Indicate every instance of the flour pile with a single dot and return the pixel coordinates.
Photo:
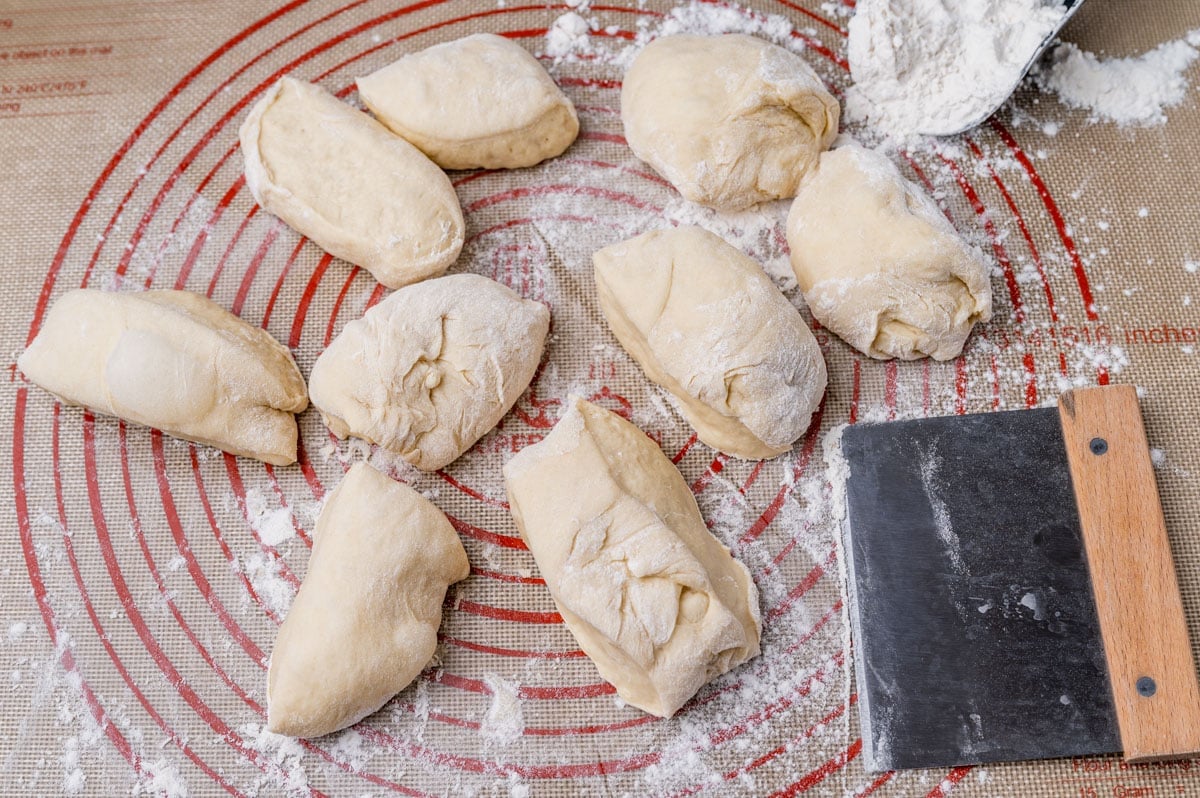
(1128, 91)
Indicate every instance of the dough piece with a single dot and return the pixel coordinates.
(360, 193)
(173, 360)
(364, 622)
(730, 121)
(707, 324)
(657, 602)
(506, 111)
(878, 262)
(429, 370)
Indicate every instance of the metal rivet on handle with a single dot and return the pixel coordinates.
(1098, 446)
(1146, 687)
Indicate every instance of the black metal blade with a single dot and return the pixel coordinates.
(975, 631)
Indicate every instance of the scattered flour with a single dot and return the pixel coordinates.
(272, 589)
(569, 37)
(934, 67)
(273, 525)
(518, 788)
(1128, 91)
(1031, 602)
(350, 747)
(504, 722)
(74, 778)
(717, 18)
(161, 780)
(931, 464)
(285, 753)
(810, 514)
(276, 527)
(837, 475)
(154, 249)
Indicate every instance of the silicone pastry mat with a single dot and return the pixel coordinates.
(143, 578)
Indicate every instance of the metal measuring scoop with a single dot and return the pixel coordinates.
(1071, 6)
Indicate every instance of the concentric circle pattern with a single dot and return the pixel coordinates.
(174, 564)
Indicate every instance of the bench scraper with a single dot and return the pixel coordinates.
(1012, 589)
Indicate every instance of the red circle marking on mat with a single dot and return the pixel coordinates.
(225, 732)
(244, 288)
(18, 475)
(41, 595)
(253, 266)
(967, 188)
(1020, 220)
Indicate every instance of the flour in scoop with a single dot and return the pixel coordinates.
(934, 66)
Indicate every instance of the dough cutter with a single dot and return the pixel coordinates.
(1012, 590)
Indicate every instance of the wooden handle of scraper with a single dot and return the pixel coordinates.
(1141, 615)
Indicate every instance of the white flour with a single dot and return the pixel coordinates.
(786, 688)
(273, 524)
(934, 66)
(569, 37)
(75, 778)
(504, 722)
(272, 589)
(1128, 91)
(161, 779)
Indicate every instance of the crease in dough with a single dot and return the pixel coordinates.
(175, 361)
(340, 178)
(432, 368)
(654, 599)
(364, 623)
(878, 262)
(706, 323)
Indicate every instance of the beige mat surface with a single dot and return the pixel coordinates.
(142, 579)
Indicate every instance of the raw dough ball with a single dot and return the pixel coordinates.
(364, 622)
(482, 101)
(429, 370)
(359, 192)
(657, 602)
(175, 361)
(878, 262)
(730, 120)
(707, 324)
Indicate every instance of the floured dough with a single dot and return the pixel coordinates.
(364, 622)
(655, 600)
(432, 368)
(730, 121)
(706, 323)
(878, 262)
(482, 101)
(358, 191)
(175, 361)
